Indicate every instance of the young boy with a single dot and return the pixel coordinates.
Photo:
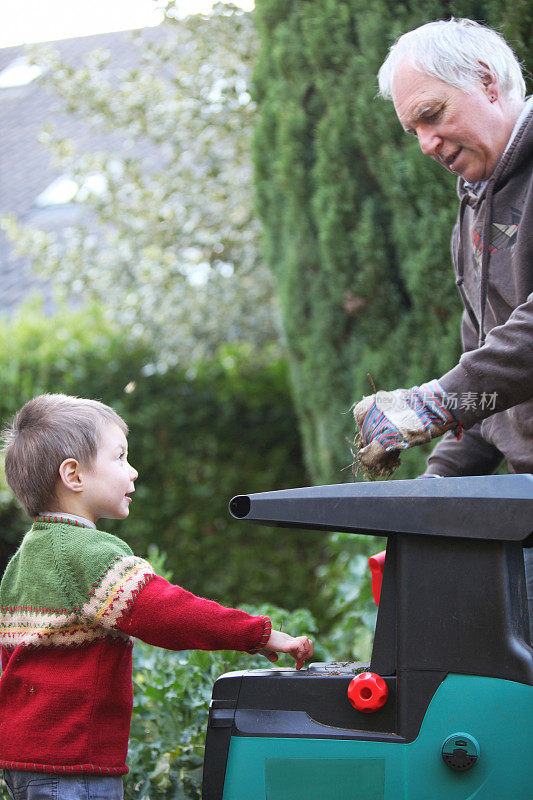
(73, 596)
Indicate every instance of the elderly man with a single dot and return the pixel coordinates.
(458, 88)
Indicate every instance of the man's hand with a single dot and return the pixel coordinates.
(393, 421)
(299, 647)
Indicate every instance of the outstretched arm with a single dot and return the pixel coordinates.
(169, 616)
(487, 379)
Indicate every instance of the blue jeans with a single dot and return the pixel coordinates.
(41, 786)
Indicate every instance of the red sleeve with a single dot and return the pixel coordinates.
(168, 616)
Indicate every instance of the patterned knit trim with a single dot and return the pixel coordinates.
(112, 597)
(53, 769)
(36, 610)
(267, 630)
(75, 637)
(62, 520)
(109, 599)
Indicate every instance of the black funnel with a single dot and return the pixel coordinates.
(495, 507)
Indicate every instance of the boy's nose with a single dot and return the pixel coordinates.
(133, 473)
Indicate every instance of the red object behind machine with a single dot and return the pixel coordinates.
(377, 564)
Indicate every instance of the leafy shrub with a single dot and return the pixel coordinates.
(349, 609)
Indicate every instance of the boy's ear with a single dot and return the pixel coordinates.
(70, 475)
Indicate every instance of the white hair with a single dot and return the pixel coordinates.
(456, 51)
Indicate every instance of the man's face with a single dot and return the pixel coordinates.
(466, 133)
(108, 484)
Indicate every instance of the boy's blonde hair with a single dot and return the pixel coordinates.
(46, 431)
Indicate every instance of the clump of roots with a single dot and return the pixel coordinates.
(371, 463)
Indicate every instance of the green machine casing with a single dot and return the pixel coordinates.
(451, 643)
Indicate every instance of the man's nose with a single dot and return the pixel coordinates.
(429, 141)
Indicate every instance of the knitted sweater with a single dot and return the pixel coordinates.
(70, 600)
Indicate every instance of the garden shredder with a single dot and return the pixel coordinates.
(444, 709)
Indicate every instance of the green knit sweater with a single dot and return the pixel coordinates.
(68, 584)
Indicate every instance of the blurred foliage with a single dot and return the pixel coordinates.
(346, 592)
(197, 438)
(353, 212)
(166, 230)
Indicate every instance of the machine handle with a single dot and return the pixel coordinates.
(377, 565)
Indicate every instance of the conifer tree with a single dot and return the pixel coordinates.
(356, 222)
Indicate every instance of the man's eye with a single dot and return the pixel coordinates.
(434, 117)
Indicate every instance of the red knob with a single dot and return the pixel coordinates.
(368, 692)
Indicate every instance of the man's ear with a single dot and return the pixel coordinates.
(70, 475)
(489, 81)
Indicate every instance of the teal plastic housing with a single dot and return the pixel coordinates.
(497, 713)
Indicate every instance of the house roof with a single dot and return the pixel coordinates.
(26, 166)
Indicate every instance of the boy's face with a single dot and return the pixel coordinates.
(108, 484)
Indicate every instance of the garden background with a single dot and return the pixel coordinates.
(231, 298)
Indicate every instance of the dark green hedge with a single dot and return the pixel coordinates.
(196, 439)
(357, 222)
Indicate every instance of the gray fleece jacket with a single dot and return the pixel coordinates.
(492, 386)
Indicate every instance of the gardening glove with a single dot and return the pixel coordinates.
(393, 421)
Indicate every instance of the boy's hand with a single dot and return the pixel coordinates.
(299, 647)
